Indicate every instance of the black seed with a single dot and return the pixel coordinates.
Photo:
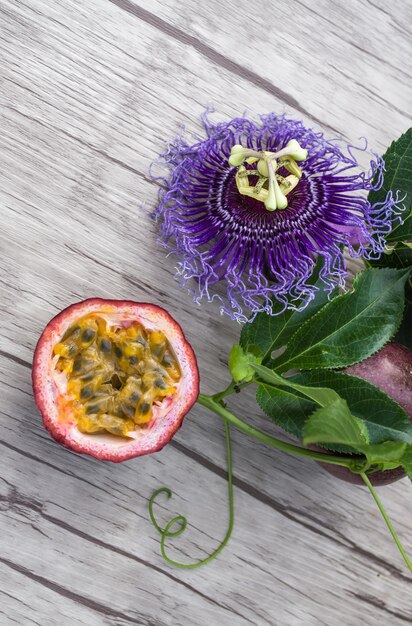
(106, 346)
(161, 371)
(160, 383)
(73, 349)
(133, 360)
(88, 335)
(86, 378)
(118, 352)
(116, 382)
(117, 411)
(134, 397)
(86, 392)
(77, 365)
(69, 332)
(144, 407)
(167, 360)
(128, 410)
(93, 408)
(157, 350)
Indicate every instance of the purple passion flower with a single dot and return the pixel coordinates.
(248, 223)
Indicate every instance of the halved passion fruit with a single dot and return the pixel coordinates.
(113, 378)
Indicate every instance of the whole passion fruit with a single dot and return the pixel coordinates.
(114, 378)
(390, 369)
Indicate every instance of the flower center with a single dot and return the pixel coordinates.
(270, 187)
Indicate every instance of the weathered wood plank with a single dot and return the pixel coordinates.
(85, 525)
(327, 526)
(326, 62)
(90, 93)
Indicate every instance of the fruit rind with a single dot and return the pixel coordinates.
(104, 447)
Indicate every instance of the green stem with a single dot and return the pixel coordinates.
(387, 520)
(210, 403)
(167, 532)
(231, 388)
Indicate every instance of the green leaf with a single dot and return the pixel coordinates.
(386, 452)
(404, 334)
(285, 407)
(269, 332)
(400, 257)
(383, 417)
(398, 177)
(335, 424)
(350, 327)
(321, 395)
(240, 364)
(406, 461)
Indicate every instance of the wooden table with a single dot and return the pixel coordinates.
(90, 91)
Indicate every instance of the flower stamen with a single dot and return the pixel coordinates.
(232, 249)
(271, 188)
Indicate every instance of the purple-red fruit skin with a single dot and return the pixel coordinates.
(390, 369)
(378, 479)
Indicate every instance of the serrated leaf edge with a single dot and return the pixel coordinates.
(355, 280)
(362, 427)
(289, 432)
(341, 374)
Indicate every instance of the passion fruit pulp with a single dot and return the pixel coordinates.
(114, 379)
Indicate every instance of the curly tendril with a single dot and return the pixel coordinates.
(166, 532)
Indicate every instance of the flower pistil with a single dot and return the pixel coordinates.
(271, 187)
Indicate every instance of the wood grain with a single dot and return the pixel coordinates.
(89, 92)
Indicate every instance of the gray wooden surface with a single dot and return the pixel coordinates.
(89, 92)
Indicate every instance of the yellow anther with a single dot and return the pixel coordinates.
(288, 184)
(295, 151)
(271, 188)
(236, 159)
(242, 179)
(291, 165)
(252, 192)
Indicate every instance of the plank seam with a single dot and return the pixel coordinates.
(264, 499)
(75, 597)
(216, 57)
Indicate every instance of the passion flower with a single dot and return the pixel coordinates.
(114, 379)
(254, 205)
